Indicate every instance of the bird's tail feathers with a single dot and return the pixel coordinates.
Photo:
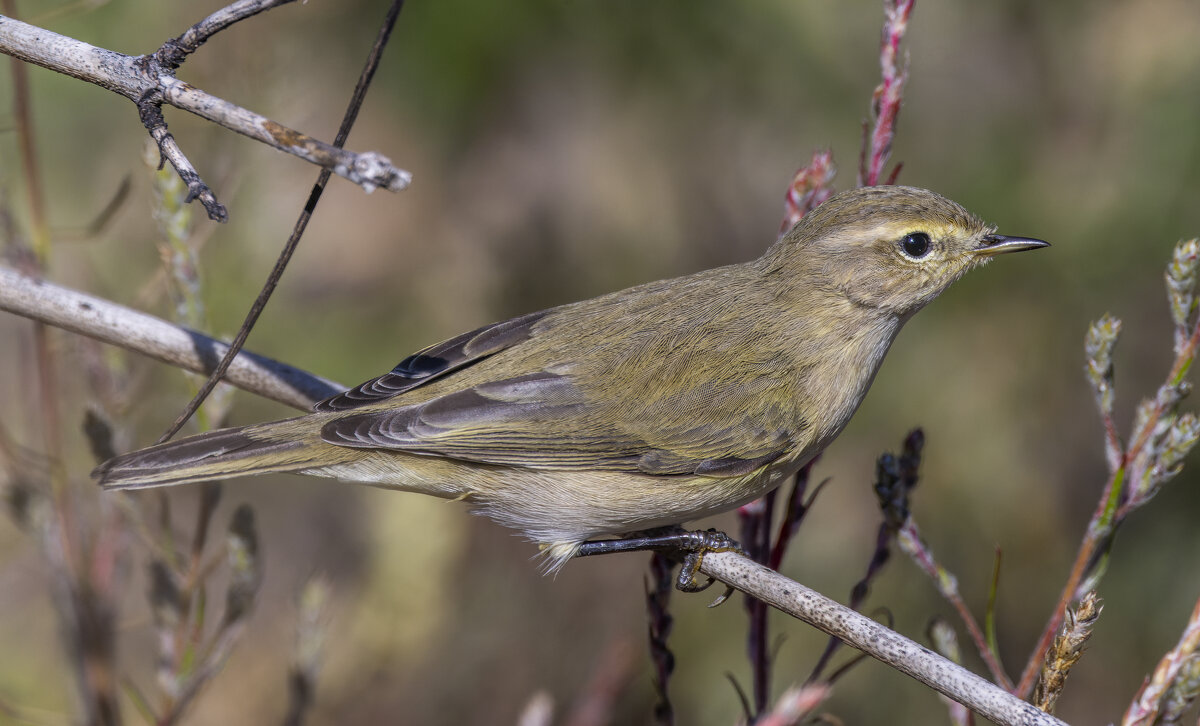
(204, 457)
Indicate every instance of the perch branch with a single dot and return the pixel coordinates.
(874, 639)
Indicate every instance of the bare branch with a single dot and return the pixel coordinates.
(874, 639)
(368, 170)
(116, 324)
(149, 80)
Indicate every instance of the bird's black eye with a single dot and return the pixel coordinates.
(916, 244)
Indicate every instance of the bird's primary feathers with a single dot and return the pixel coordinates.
(654, 405)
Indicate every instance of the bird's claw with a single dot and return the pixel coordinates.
(673, 541)
(700, 543)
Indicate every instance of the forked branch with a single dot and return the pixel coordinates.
(149, 81)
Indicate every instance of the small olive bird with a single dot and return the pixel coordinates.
(639, 409)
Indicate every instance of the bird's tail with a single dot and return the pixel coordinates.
(213, 455)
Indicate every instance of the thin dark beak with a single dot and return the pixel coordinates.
(998, 244)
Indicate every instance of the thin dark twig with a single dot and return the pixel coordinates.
(741, 694)
(796, 507)
(101, 220)
(356, 100)
(845, 668)
(658, 598)
(755, 519)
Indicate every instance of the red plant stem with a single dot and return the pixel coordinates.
(888, 94)
(809, 188)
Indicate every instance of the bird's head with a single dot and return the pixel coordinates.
(891, 248)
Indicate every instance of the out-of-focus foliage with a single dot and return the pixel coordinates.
(565, 149)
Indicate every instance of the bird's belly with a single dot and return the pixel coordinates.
(564, 506)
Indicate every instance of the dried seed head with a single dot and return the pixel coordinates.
(1066, 650)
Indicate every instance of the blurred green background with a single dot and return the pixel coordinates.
(565, 149)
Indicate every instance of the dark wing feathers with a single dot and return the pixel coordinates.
(434, 362)
(467, 418)
(489, 409)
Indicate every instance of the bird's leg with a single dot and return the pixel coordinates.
(687, 546)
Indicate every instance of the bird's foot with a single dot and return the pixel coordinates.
(687, 546)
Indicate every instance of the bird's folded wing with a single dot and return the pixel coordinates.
(434, 362)
(544, 420)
